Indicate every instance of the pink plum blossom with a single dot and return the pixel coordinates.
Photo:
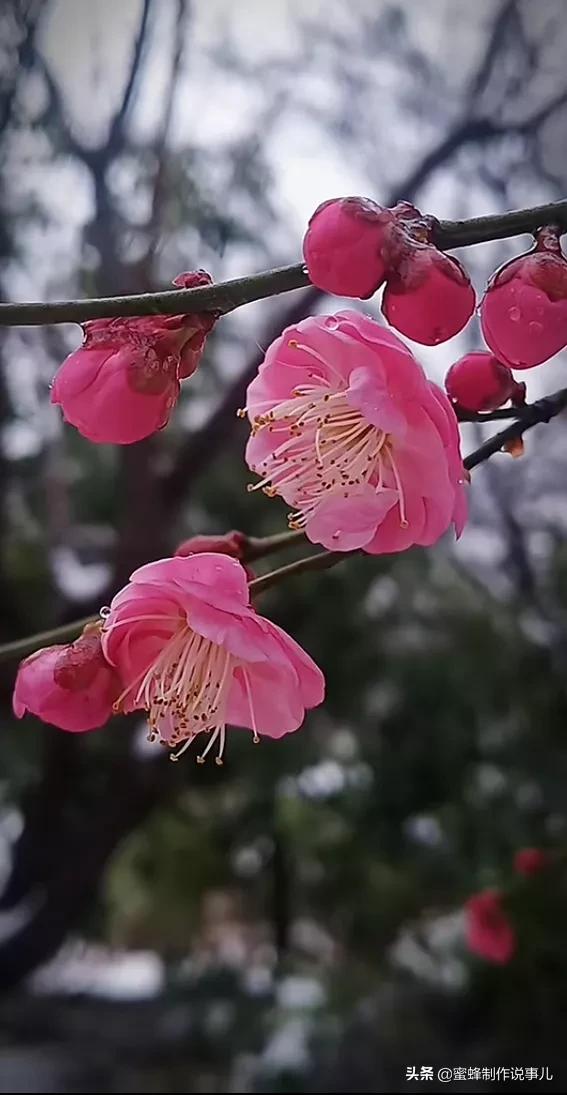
(489, 932)
(72, 687)
(524, 310)
(123, 382)
(194, 654)
(347, 428)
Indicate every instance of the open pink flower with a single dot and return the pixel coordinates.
(349, 430)
(195, 655)
(72, 687)
(123, 382)
(488, 930)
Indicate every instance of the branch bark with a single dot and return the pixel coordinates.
(543, 410)
(228, 295)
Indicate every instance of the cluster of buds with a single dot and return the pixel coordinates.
(352, 246)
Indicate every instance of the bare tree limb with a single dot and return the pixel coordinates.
(226, 296)
(117, 125)
(543, 410)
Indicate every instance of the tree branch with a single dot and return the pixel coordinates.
(117, 126)
(226, 296)
(543, 410)
(255, 547)
(321, 560)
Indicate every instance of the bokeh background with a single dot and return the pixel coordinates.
(292, 921)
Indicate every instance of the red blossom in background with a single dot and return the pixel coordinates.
(524, 309)
(530, 861)
(479, 382)
(489, 933)
(122, 384)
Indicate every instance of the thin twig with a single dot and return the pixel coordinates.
(258, 547)
(543, 410)
(228, 295)
(65, 633)
(322, 560)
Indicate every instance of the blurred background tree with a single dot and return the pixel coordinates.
(290, 922)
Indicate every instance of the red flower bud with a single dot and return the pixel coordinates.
(524, 310)
(479, 382)
(72, 687)
(428, 296)
(231, 543)
(344, 246)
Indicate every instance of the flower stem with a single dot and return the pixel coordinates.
(65, 633)
(322, 560)
(258, 547)
(543, 410)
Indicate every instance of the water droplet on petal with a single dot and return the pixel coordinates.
(535, 328)
(514, 314)
(332, 323)
(104, 612)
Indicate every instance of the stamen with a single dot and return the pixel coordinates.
(184, 690)
(219, 731)
(316, 356)
(327, 447)
(184, 747)
(248, 688)
(401, 499)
